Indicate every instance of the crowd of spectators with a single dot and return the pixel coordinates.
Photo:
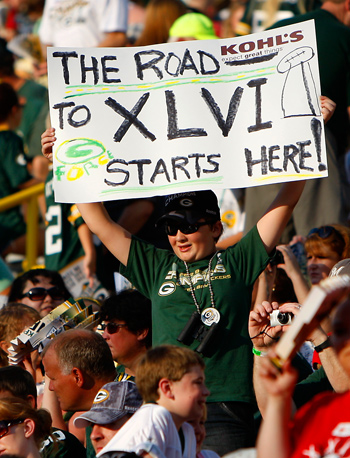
(156, 378)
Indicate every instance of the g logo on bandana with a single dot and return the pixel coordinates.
(186, 202)
(167, 288)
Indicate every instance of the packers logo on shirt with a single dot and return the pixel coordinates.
(167, 288)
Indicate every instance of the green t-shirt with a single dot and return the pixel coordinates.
(34, 115)
(13, 172)
(161, 276)
(315, 383)
(64, 445)
(62, 243)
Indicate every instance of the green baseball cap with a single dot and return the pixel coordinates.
(194, 25)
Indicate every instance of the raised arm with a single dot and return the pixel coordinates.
(274, 440)
(113, 236)
(273, 222)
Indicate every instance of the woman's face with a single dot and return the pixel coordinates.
(14, 440)
(47, 303)
(320, 263)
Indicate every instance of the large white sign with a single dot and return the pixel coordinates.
(230, 113)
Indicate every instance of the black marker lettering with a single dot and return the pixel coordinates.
(109, 169)
(84, 121)
(225, 126)
(106, 70)
(272, 157)
(60, 107)
(250, 162)
(65, 56)
(93, 69)
(140, 163)
(140, 67)
(167, 64)
(304, 154)
(259, 125)
(130, 118)
(173, 130)
(196, 163)
(160, 169)
(179, 162)
(316, 129)
(202, 54)
(290, 157)
(188, 63)
(213, 163)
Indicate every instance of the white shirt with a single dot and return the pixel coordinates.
(81, 23)
(152, 430)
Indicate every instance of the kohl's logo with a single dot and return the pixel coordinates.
(269, 42)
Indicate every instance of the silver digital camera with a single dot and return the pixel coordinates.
(278, 318)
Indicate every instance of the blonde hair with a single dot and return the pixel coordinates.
(270, 7)
(14, 318)
(337, 241)
(165, 361)
(18, 409)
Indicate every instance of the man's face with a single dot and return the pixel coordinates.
(102, 434)
(62, 384)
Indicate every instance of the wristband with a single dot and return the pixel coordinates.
(258, 352)
(322, 346)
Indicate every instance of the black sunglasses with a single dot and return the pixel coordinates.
(324, 231)
(39, 294)
(5, 425)
(112, 328)
(171, 227)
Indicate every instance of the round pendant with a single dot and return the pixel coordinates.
(210, 316)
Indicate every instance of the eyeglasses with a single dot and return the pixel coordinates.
(111, 327)
(171, 228)
(5, 425)
(324, 231)
(39, 294)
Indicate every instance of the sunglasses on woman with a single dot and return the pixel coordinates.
(5, 425)
(324, 231)
(112, 328)
(172, 227)
(39, 294)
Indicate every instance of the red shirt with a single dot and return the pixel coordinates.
(322, 427)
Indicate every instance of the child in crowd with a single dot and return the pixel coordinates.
(320, 427)
(198, 425)
(170, 380)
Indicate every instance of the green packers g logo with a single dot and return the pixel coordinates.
(167, 288)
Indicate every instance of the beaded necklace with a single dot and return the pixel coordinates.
(209, 284)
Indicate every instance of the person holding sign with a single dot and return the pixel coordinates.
(201, 297)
